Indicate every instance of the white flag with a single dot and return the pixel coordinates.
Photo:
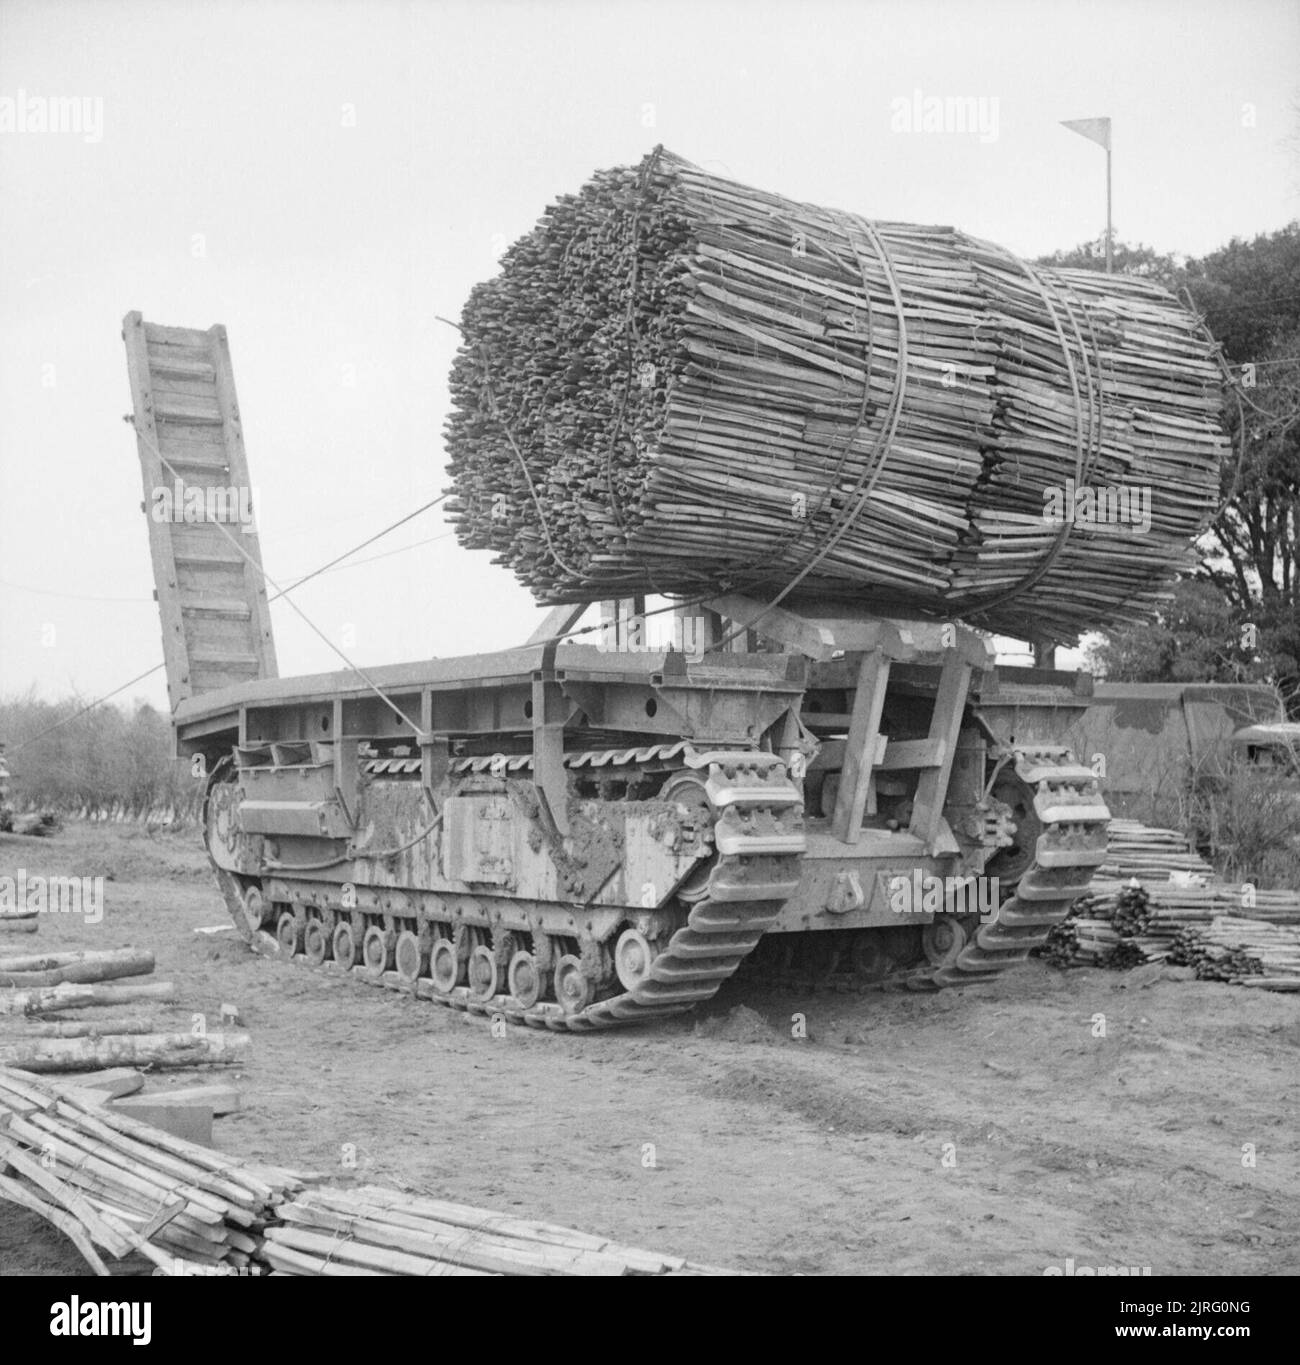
(1094, 129)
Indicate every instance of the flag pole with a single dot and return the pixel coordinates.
(1098, 130)
(1110, 235)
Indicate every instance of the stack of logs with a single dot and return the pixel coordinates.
(1149, 854)
(118, 1186)
(679, 382)
(18, 920)
(36, 990)
(1155, 900)
(1244, 952)
(122, 1190)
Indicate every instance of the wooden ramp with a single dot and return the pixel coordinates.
(198, 500)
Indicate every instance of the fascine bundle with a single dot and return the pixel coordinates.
(679, 384)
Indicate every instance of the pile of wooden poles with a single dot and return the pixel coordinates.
(1150, 853)
(37, 986)
(123, 1190)
(1155, 900)
(678, 382)
(119, 1187)
(1081, 942)
(1242, 951)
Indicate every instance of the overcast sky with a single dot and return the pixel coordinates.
(328, 178)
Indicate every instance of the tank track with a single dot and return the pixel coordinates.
(1073, 820)
(755, 871)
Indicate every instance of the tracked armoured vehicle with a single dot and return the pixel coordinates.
(575, 836)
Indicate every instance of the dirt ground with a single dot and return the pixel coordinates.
(985, 1131)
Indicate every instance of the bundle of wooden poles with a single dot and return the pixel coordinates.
(376, 1231)
(1147, 852)
(1155, 899)
(124, 1192)
(38, 988)
(1244, 952)
(123, 1188)
(678, 383)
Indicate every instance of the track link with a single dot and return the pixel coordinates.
(1072, 845)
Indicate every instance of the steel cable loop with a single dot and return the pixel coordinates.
(736, 575)
(893, 412)
(378, 855)
(1082, 460)
(865, 408)
(1097, 391)
(843, 223)
(1137, 592)
(876, 461)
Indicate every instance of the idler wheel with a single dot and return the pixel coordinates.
(287, 935)
(256, 910)
(482, 973)
(633, 957)
(445, 965)
(525, 980)
(316, 942)
(345, 947)
(574, 989)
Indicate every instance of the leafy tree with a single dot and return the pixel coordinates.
(1140, 260)
(106, 759)
(1197, 638)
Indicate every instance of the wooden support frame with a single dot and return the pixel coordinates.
(945, 727)
(861, 751)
